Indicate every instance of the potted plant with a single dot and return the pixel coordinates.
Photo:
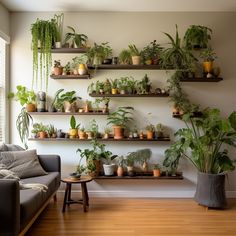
(151, 53)
(203, 142)
(142, 156)
(82, 133)
(125, 57)
(175, 56)
(123, 85)
(159, 130)
(43, 37)
(57, 69)
(144, 86)
(52, 131)
(93, 130)
(65, 100)
(156, 170)
(98, 53)
(107, 132)
(114, 86)
(129, 162)
(150, 131)
(79, 66)
(197, 37)
(208, 56)
(120, 119)
(135, 54)
(59, 19)
(26, 97)
(93, 156)
(40, 129)
(24, 119)
(67, 69)
(73, 132)
(77, 40)
(109, 166)
(120, 168)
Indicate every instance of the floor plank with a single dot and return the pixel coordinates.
(135, 217)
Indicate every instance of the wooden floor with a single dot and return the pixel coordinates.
(134, 217)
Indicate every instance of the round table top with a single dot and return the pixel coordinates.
(82, 179)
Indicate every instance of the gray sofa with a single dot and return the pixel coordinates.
(20, 208)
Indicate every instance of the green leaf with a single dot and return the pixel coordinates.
(232, 119)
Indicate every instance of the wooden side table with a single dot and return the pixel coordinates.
(85, 198)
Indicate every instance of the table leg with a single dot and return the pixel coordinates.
(65, 198)
(84, 197)
(86, 193)
(69, 194)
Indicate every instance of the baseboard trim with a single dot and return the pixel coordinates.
(147, 194)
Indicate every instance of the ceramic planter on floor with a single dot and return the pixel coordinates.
(210, 190)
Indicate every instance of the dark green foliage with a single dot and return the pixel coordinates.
(197, 36)
(202, 142)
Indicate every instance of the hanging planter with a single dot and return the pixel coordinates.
(43, 37)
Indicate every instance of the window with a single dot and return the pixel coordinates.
(2, 90)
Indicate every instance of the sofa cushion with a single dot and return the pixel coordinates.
(32, 200)
(10, 147)
(22, 163)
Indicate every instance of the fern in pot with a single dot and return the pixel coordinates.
(204, 143)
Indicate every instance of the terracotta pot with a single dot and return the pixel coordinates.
(90, 135)
(136, 60)
(156, 173)
(42, 134)
(58, 70)
(118, 132)
(82, 135)
(149, 134)
(120, 171)
(30, 107)
(208, 66)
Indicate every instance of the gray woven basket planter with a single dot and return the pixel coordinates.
(210, 190)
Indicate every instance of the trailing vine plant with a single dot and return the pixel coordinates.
(177, 95)
(43, 37)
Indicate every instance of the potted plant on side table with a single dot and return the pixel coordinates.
(201, 142)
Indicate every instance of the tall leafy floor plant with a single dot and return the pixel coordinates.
(204, 143)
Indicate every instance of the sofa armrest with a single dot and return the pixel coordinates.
(9, 207)
(50, 163)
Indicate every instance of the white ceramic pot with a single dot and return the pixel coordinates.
(109, 170)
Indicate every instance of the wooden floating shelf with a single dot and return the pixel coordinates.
(150, 176)
(59, 77)
(69, 50)
(67, 113)
(125, 67)
(201, 79)
(130, 95)
(104, 140)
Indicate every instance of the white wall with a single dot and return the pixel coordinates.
(121, 29)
